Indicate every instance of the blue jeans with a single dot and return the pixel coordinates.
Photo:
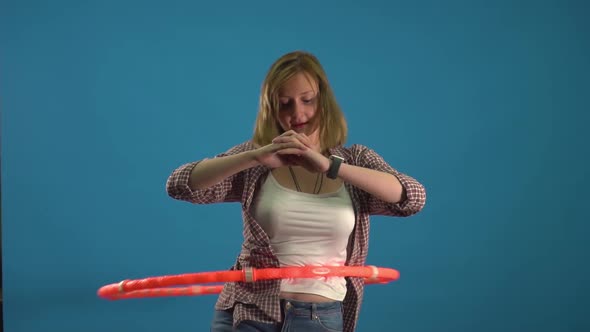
(297, 316)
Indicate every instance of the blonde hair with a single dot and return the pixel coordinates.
(332, 128)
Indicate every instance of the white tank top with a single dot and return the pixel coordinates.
(307, 229)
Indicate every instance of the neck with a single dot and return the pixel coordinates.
(315, 140)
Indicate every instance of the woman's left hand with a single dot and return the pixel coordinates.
(310, 158)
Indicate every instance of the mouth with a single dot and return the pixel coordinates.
(297, 126)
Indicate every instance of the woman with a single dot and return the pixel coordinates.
(306, 200)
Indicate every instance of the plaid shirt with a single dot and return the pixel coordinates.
(260, 301)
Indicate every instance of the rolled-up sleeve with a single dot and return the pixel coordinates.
(415, 193)
(228, 190)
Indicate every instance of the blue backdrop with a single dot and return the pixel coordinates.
(485, 102)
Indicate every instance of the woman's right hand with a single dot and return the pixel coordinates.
(268, 155)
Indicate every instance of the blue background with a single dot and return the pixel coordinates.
(485, 102)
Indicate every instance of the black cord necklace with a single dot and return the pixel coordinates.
(316, 189)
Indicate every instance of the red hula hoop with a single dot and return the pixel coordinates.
(163, 285)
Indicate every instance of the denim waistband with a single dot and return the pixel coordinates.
(312, 305)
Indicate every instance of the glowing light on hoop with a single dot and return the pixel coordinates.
(165, 285)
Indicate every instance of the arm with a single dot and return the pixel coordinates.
(388, 192)
(383, 186)
(212, 171)
(219, 179)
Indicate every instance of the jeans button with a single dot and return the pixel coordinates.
(288, 305)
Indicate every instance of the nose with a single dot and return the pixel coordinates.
(297, 108)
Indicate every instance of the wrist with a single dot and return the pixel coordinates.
(251, 158)
(335, 162)
(326, 165)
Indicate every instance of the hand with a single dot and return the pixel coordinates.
(269, 155)
(306, 154)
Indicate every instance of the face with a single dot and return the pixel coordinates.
(298, 106)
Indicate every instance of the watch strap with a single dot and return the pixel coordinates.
(335, 163)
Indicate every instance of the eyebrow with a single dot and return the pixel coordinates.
(301, 94)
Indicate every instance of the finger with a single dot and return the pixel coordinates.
(278, 146)
(290, 151)
(288, 133)
(304, 139)
(281, 139)
(289, 143)
(285, 136)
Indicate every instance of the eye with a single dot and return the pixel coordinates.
(308, 100)
(284, 104)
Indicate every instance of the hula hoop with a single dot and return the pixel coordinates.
(162, 285)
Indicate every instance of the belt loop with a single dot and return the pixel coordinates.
(314, 309)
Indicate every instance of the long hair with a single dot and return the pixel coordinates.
(332, 127)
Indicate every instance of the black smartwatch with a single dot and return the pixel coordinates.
(334, 166)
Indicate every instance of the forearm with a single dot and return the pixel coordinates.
(382, 185)
(212, 171)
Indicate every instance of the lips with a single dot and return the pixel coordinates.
(298, 125)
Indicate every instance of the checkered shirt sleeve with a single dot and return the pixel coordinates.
(228, 190)
(415, 194)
